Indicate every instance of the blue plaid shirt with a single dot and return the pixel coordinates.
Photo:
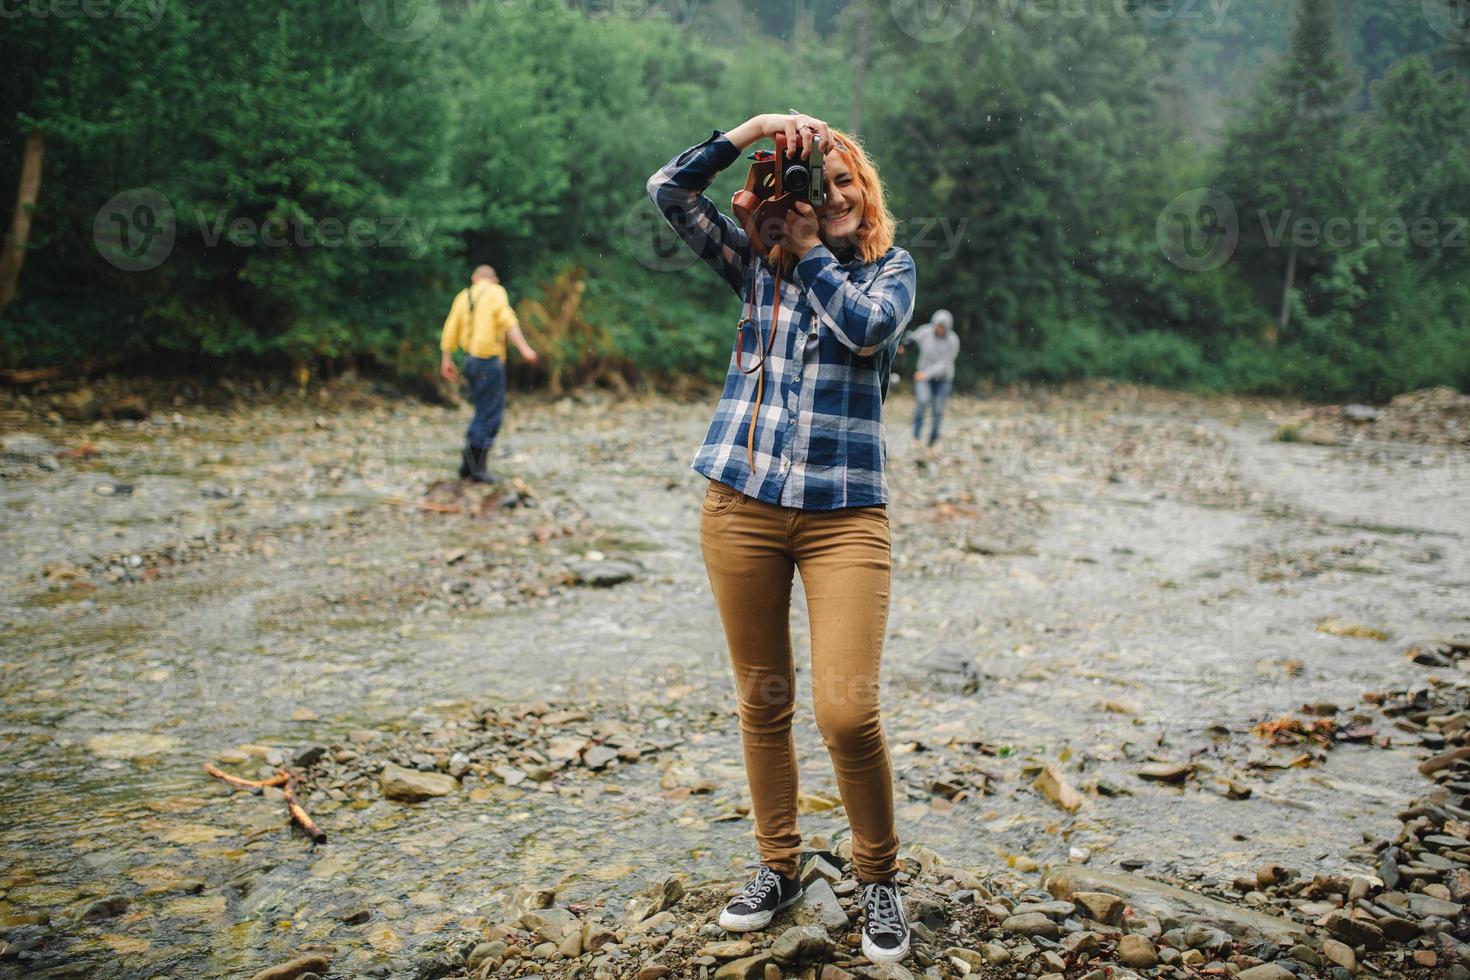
(819, 432)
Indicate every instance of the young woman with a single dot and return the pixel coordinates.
(795, 459)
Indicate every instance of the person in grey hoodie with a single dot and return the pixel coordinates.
(939, 345)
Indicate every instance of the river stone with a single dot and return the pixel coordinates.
(1266, 971)
(1397, 929)
(1388, 870)
(1057, 911)
(995, 954)
(1425, 905)
(969, 957)
(598, 756)
(1305, 954)
(1458, 882)
(1136, 951)
(1166, 902)
(603, 574)
(1340, 954)
(746, 968)
(1101, 907)
(595, 935)
(800, 944)
(550, 924)
(103, 908)
(732, 950)
(1440, 841)
(1032, 924)
(820, 906)
(411, 785)
(23, 447)
(667, 893)
(1354, 932)
(817, 866)
(1207, 938)
(294, 969)
(1166, 772)
(485, 951)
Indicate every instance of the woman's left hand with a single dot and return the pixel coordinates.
(801, 234)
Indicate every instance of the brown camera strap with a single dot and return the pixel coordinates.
(760, 365)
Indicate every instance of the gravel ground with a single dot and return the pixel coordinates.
(1089, 585)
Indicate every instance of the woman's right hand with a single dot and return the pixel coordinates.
(799, 129)
(796, 127)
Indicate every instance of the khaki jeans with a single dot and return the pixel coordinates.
(750, 550)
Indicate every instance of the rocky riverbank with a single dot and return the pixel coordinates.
(1130, 633)
(1407, 917)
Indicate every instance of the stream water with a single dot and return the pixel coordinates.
(1095, 582)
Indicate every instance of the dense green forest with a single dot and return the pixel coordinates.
(1248, 195)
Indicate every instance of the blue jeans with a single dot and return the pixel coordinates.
(486, 377)
(930, 394)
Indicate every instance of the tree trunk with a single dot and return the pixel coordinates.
(859, 69)
(1285, 317)
(14, 253)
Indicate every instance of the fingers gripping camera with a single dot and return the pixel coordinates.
(773, 185)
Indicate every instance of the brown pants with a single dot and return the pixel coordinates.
(750, 549)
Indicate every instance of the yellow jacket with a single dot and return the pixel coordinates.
(481, 332)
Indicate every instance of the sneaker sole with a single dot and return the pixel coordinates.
(877, 954)
(757, 920)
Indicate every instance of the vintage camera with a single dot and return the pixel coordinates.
(803, 177)
(773, 185)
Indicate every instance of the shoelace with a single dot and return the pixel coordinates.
(880, 903)
(756, 888)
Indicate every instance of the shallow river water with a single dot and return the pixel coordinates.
(1094, 581)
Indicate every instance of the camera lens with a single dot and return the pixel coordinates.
(795, 179)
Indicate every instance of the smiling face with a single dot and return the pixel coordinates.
(843, 212)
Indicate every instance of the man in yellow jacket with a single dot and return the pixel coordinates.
(479, 323)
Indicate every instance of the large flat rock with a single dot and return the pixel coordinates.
(1171, 903)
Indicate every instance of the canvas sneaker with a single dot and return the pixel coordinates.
(758, 902)
(885, 931)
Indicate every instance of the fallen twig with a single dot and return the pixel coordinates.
(239, 783)
(283, 778)
(428, 505)
(298, 813)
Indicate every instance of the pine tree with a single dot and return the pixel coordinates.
(1288, 163)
